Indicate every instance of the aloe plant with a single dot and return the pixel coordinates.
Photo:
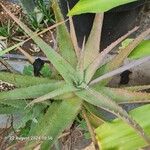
(80, 83)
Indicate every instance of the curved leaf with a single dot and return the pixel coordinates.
(4, 109)
(94, 6)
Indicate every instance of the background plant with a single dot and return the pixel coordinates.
(39, 12)
(7, 30)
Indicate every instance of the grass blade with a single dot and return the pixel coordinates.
(11, 48)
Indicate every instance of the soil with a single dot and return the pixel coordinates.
(14, 8)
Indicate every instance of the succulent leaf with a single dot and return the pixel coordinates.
(19, 80)
(59, 91)
(125, 96)
(30, 92)
(66, 48)
(92, 46)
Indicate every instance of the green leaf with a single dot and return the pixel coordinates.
(124, 95)
(63, 37)
(142, 50)
(58, 117)
(35, 16)
(125, 43)
(28, 70)
(29, 92)
(23, 80)
(29, 114)
(92, 44)
(96, 112)
(28, 6)
(59, 91)
(117, 135)
(18, 104)
(46, 71)
(3, 31)
(95, 6)
(5, 109)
